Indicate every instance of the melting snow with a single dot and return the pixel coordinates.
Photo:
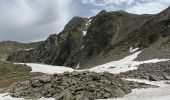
(27, 49)
(6, 96)
(84, 33)
(90, 20)
(78, 66)
(133, 50)
(48, 69)
(123, 65)
(160, 93)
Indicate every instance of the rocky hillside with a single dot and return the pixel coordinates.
(9, 47)
(74, 86)
(102, 38)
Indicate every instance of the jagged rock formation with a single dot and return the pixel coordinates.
(75, 86)
(109, 35)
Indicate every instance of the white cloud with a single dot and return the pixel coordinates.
(133, 6)
(29, 20)
(149, 8)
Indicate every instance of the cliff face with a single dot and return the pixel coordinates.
(57, 49)
(102, 38)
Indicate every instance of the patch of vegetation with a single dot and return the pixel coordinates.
(12, 73)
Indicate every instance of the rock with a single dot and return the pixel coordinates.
(106, 95)
(45, 78)
(81, 97)
(120, 92)
(68, 96)
(52, 91)
(153, 78)
(166, 77)
(47, 86)
(59, 96)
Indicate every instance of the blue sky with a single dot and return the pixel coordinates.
(33, 20)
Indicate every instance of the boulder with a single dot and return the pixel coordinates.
(153, 78)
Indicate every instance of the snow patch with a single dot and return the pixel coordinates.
(160, 93)
(78, 66)
(157, 83)
(124, 65)
(133, 50)
(27, 49)
(6, 96)
(48, 69)
(90, 20)
(84, 33)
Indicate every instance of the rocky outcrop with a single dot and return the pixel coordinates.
(74, 86)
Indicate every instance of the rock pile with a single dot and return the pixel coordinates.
(74, 86)
(152, 72)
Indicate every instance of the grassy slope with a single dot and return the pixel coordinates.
(12, 73)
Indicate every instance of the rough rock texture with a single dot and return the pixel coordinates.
(74, 86)
(153, 72)
(109, 36)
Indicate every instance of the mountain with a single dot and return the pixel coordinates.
(102, 38)
(8, 47)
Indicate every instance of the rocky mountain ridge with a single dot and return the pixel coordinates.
(102, 38)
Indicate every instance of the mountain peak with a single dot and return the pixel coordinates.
(103, 11)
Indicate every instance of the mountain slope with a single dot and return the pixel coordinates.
(57, 49)
(8, 47)
(100, 39)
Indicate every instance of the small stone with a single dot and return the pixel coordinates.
(106, 95)
(166, 77)
(119, 92)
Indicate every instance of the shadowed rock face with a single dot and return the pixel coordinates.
(109, 36)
